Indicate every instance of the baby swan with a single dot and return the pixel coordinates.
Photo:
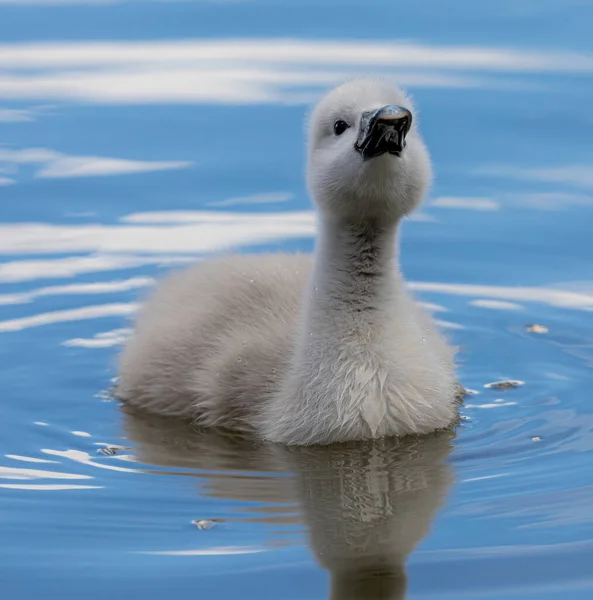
(303, 351)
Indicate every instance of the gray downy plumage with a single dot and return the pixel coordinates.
(310, 350)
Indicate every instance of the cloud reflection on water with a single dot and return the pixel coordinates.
(246, 71)
(184, 232)
(55, 165)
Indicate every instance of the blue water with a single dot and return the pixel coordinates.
(138, 135)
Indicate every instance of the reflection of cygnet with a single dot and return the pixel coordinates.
(366, 505)
(303, 352)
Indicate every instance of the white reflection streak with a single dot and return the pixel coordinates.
(28, 459)
(216, 551)
(211, 232)
(105, 339)
(107, 287)
(20, 474)
(496, 304)
(492, 405)
(15, 473)
(85, 458)
(56, 165)
(579, 176)
(64, 316)
(251, 71)
(544, 295)
(270, 198)
(286, 52)
(203, 216)
(77, 2)
(92, 166)
(448, 324)
(55, 2)
(479, 204)
(432, 307)
(145, 85)
(48, 486)
(28, 270)
(485, 477)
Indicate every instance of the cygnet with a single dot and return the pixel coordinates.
(310, 350)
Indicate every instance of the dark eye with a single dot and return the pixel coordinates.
(340, 127)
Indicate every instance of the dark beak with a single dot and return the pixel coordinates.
(383, 130)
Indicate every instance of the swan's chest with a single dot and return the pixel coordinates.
(364, 369)
(364, 397)
(372, 376)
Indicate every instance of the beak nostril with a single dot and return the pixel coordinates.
(405, 124)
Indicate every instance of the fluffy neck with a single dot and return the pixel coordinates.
(355, 271)
(338, 370)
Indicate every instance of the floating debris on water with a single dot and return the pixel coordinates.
(108, 451)
(113, 449)
(204, 524)
(536, 438)
(507, 384)
(535, 328)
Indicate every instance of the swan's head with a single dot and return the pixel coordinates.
(367, 160)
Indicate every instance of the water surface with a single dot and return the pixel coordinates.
(137, 136)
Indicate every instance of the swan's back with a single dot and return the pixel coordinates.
(213, 340)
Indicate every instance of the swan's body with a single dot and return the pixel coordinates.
(305, 351)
